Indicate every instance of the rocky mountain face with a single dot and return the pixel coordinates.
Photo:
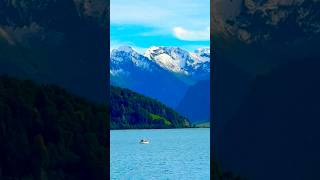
(268, 132)
(257, 36)
(180, 61)
(273, 31)
(60, 42)
(239, 19)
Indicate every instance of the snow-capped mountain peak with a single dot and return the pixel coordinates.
(201, 55)
(202, 51)
(170, 58)
(127, 55)
(178, 60)
(127, 49)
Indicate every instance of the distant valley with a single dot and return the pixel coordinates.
(196, 103)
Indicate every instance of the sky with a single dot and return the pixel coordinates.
(145, 23)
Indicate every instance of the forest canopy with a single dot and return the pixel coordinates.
(132, 110)
(47, 133)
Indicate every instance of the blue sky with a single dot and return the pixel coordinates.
(145, 23)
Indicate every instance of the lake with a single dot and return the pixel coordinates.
(171, 154)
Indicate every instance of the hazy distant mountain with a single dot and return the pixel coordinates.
(196, 103)
(164, 73)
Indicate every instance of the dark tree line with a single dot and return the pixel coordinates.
(219, 173)
(132, 110)
(47, 133)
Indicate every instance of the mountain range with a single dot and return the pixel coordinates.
(163, 73)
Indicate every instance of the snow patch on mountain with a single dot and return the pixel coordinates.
(118, 72)
(127, 55)
(201, 58)
(168, 58)
(178, 60)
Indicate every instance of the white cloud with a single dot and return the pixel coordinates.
(192, 35)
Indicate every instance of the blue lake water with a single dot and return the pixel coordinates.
(171, 154)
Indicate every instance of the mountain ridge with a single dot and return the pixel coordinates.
(163, 73)
(171, 58)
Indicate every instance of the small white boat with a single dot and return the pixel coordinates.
(144, 141)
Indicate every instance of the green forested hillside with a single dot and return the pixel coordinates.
(47, 133)
(131, 110)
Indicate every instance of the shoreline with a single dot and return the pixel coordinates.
(163, 128)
